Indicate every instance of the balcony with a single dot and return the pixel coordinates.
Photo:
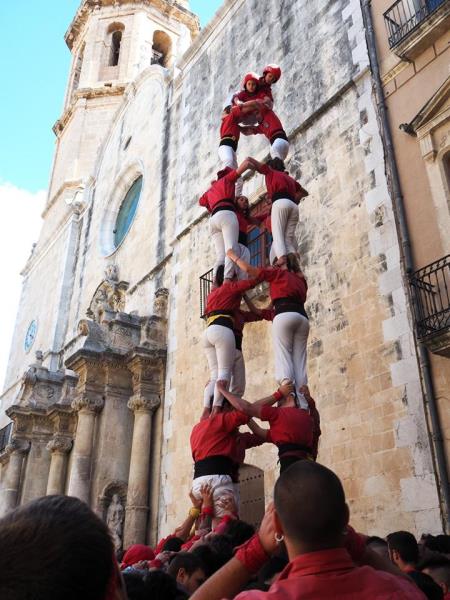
(430, 288)
(5, 436)
(413, 25)
(259, 247)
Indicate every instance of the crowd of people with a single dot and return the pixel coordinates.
(57, 548)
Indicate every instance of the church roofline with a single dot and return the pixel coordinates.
(168, 7)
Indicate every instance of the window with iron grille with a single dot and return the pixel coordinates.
(405, 15)
(259, 243)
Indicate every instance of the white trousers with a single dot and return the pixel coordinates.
(290, 336)
(222, 487)
(224, 229)
(279, 149)
(220, 348)
(228, 158)
(237, 385)
(284, 219)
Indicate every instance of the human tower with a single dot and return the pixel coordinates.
(218, 448)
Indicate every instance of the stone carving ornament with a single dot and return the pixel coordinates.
(91, 404)
(109, 296)
(59, 444)
(114, 519)
(138, 403)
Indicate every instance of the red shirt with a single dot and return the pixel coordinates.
(216, 436)
(264, 89)
(241, 317)
(279, 182)
(244, 96)
(244, 441)
(331, 575)
(222, 189)
(288, 425)
(243, 221)
(284, 284)
(229, 295)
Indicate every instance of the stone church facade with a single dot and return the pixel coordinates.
(110, 307)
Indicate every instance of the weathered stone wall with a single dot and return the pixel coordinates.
(362, 366)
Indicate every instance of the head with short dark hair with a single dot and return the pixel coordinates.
(160, 585)
(293, 263)
(310, 504)
(403, 548)
(239, 532)
(378, 545)
(173, 544)
(437, 543)
(276, 164)
(211, 556)
(188, 570)
(55, 547)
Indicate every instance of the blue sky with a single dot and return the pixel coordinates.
(34, 63)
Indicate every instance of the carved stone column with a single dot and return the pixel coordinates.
(146, 385)
(59, 447)
(80, 473)
(17, 450)
(138, 479)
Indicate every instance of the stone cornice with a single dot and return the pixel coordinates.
(170, 8)
(86, 94)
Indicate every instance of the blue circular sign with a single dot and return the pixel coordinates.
(30, 336)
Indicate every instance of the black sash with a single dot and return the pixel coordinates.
(225, 204)
(243, 238)
(280, 195)
(283, 305)
(213, 465)
(286, 447)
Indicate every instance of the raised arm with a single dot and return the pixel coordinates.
(242, 264)
(245, 166)
(251, 306)
(253, 409)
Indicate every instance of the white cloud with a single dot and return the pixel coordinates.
(21, 222)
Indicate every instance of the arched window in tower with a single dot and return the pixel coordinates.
(116, 41)
(127, 211)
(161, 47)
(77, 69)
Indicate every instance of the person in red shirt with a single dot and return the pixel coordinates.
(328, 560)
(219, 200)
(290, 329)
(293, 430)
(214, 449)
(285, 194)
(218, 340)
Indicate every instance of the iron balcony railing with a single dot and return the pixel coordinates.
(405, 15)
(430, 287)
(259, 247)
(5, 436)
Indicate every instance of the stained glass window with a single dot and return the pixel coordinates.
(127, 211)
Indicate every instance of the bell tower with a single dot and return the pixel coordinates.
(112, 42)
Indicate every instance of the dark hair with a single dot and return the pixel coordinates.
(54, 547)
(160, 585)
(293, 264)
(320, 494)
(374, 539)
(405, 544)
(437, 543)
(173, 544)
(239, 532)
(134, 584)
(214, 553)
(223, 546)
(218, 278)
(184, 560)
(276, 163)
